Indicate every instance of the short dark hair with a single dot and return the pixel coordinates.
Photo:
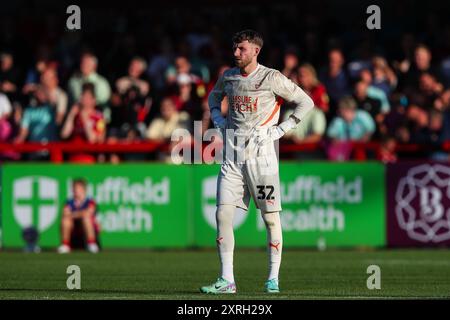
(81, 181)
(88, 86)
(251, 36)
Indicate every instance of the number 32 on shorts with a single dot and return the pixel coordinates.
(262, 192)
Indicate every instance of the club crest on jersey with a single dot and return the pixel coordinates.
(258, 85)
(244, 104)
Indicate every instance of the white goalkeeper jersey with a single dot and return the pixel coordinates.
(254, 105)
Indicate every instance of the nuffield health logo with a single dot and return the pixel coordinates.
(35, 202)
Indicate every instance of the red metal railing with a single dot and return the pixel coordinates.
(57, 150)
(360, 148)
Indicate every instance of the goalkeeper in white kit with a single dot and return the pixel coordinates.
(250, 167)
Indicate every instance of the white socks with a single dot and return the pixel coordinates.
(225, 239)
(274, 242)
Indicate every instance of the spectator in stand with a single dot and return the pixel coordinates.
(290, 65)
(84, 123)
(432, 135)
(442, 103)
(5, 114)
(135, 109)
(129, 110)
(417, 121)
(422, 64)
(334, 77)
(307, 79)
(372, 106)
(134, 78)
(429, 91)
(387, 152)
(159, 63)
(38, 123)
(57, 96)
(384, 77)
(162, 128)
(116, 117)
(375, 92)
(310, 130)
(396, 117)
(445, 133)
(33, 76)
(129, 115)
(350, 125)
(182, 66)
(9, 77)
(88, 74)
(6, 129)
(187, 98)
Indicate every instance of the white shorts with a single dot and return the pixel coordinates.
(257, 177)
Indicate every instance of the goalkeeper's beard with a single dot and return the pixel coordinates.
(242, 64)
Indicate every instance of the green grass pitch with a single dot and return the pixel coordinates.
(333, 274)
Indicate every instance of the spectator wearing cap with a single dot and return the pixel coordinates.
(88, 74)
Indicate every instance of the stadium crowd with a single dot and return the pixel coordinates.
(66, 87)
